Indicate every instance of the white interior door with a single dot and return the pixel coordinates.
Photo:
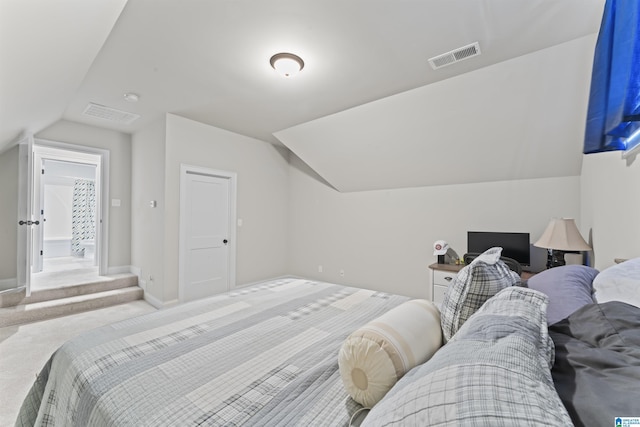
(205, 216)
(37, 197)
(25, 216)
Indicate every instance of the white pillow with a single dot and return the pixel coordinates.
(374, 357)
(620, 282)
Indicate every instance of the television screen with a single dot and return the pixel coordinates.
(514, 245)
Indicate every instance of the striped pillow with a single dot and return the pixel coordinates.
(373, 358)
(473, 286)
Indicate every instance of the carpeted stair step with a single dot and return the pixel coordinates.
(41, 310)
(104, 283)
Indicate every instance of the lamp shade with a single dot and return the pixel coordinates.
(563, 235)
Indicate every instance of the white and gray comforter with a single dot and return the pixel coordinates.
(265, 355)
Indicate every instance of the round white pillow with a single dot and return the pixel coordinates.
(374, 357)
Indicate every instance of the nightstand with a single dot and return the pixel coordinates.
(442, 275)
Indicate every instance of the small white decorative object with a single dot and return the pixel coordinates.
(440, 247)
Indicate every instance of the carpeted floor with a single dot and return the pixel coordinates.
(25, 349)
(64, 271)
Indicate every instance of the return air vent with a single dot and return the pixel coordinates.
(110, 114)
(455, 55)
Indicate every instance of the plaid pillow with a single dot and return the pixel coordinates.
(476, 283)
(495, 372)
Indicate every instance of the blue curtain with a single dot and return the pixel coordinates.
(613, 117)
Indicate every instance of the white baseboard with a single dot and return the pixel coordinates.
(153, 300)
(171, 303)
(147, 296)
(157, 303)
(6, 284)
(122, 269)
(138, 272)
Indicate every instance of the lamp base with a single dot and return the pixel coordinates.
(555, 258)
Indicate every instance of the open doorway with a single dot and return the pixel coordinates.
(66, 201)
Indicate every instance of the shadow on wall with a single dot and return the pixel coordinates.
(589, 257)
(300, 165)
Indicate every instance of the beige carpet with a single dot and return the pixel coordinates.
(64, 271)
(25, 349)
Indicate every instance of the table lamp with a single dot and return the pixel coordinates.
(560, 236)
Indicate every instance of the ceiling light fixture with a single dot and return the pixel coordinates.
(287, 64)
(131, 97)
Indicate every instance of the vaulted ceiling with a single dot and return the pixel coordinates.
(366, 112)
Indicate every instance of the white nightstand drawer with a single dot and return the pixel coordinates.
(438, 293)
(443, 278)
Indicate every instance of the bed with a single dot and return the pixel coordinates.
(268, 355)
(597, 350)
(264, 355)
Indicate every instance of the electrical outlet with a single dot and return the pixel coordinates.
(320, 269)
(341, 273)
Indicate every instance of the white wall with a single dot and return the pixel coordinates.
(147, 223)
(58, 201)
(262, 197)
(119, 146)
(8, 214)
(610, 204)
(383, 239)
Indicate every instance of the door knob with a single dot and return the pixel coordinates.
(225, 241)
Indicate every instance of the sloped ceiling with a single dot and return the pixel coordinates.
(518, 119)
(209, 61)
(46, 49)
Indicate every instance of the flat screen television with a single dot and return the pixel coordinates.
(514, 245)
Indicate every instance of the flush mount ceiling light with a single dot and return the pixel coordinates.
(287, 64)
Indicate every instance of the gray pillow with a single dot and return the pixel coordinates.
(476, 283)
(568, 287)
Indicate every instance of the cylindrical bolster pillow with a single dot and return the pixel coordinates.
(378, 354)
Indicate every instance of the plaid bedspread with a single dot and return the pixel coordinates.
(261, 356)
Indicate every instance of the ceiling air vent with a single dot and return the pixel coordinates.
(110, 114)
(455, 55)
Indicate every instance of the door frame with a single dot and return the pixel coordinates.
(102, 199)
(25, 213)
(185, 170)
(43, 153)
